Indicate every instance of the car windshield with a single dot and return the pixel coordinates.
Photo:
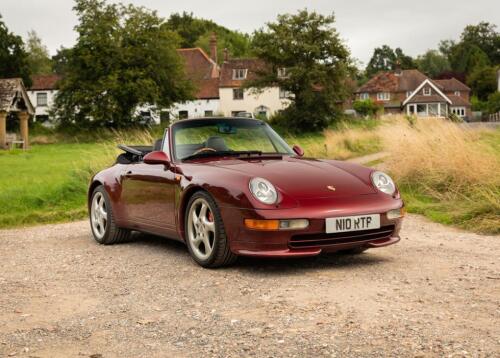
(226, 136)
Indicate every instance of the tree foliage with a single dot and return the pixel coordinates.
(485, 36)
(433, 63)
(13, 57)
(483, 81)
(38, 55)
(123, 58)
(385, 59)
(316, 61)
(195, 32)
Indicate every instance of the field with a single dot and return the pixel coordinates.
(445, 172)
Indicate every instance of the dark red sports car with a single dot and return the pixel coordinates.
(232, 186)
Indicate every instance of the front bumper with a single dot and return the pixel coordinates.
(313, 240)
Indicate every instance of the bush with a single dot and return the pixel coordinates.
(367, 107)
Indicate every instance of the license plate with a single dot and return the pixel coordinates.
(352, 223)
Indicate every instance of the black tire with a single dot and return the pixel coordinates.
(112, 233)
(221, 254)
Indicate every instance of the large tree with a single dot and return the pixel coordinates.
(196, 32)
(485, 36)
(483, 81)
(386, 59)
(38, 55)
(433, 63)
(123, 58)
(316, 61)
(13, 57)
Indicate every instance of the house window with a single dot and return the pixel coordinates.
(459, 111)
(209, 113)
(383, 96)
(239, 74)
(364, 96)
(457, 93)
(164, 116)
(41, 99)
(408, 93)
(183, 114)
(238, 93)
(427, 91)
(433, 109)
(282, 72)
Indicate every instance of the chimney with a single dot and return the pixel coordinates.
(397, 68)
(213, 47)
(226, 55)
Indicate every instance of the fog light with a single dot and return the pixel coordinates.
(395, 214)
(274, 225)
(295, 224)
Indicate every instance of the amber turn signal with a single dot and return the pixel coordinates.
(273, 225)
(262, 224)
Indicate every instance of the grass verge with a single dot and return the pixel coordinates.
(446, 172)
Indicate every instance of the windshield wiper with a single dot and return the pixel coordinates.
(222, 153)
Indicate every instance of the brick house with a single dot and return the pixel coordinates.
(411, 92)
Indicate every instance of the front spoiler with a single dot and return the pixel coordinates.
(309, 252)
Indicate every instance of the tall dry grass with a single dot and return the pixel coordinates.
(446, 171)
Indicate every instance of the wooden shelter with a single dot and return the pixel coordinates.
(14, 99)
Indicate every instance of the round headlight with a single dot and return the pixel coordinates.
(383, 182)
(263, 190)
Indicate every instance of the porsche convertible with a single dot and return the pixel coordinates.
(230, 187)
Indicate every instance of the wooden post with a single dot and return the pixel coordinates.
(3, 130)
(23, 118)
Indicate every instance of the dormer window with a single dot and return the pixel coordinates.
(427, 91)
(282, 72)
(240, 73)
(383, 96)
(457, 93)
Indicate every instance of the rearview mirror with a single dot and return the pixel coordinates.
(157, 157)
(298, 150)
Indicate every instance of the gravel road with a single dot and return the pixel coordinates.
(436, 293)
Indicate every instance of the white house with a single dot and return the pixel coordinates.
(235, 99)
(42, 93)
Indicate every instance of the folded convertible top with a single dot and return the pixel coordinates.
(136, 149)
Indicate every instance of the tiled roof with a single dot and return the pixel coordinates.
(197, 64)
(202, 71)
(451, 84)
(426, 99)
(207, 89)
(408, 80)
(13, 96)
(458, 101)
(44, 82)
(253, 66)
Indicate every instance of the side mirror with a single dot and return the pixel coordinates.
(157, 157)
(298, 150)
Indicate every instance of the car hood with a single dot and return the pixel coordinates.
(305, 178)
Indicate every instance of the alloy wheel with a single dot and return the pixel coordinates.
(201, 229)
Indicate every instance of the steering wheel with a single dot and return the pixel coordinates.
(204, 149)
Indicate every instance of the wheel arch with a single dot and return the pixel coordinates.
(93, 185)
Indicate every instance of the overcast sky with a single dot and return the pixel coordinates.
(415, 26)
